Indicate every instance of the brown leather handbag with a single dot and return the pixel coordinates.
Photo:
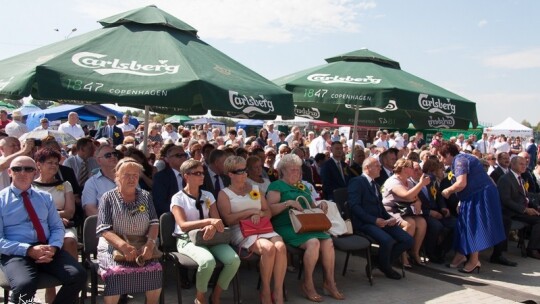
(137, 241)
(310, 219)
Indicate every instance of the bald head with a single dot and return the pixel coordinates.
(22, 171)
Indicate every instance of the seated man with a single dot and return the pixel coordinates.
(369, 217)
(31, 238)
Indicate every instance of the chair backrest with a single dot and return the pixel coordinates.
(166, 229)
(90, 240)
(340, 198)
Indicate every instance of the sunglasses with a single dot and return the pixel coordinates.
(110, 154)
(179, 155)
(239, 171)
(26, 169)
(196, 173)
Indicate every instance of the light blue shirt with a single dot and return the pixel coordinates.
(94, 188)
(17, 232)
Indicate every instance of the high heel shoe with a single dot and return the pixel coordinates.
(416, 260)
(313, 298)
(462, 261)
(334, 294)
(476, 267)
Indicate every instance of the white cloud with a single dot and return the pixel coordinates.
(526, 59)
(482, 23)
(275, 21)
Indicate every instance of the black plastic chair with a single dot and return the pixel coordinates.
(45, 281)
(89, 257)
(170, 253)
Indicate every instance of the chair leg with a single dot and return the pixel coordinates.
(236, 289)
(178, 283)
(368, 258)
(6, 296)
(346, 263)
(94, 286)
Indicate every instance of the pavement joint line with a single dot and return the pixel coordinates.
(472, 283)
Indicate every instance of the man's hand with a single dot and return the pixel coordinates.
(380, 222)
(531, 211)
(391, 222)
(42, 253)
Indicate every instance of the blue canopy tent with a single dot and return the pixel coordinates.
(86, 113)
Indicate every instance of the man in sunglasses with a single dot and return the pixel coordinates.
(10, 148)
(31, 238)
(168, 181)
(102, 181)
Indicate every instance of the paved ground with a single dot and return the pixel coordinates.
(431, 284)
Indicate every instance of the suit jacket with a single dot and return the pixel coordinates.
(165, 185)
(118, 134)
(530, 180)
(450, 202)
(331, 177)
(496, 174)
(209, 182)
(364, 204)
(307, 172)
(383, 176)
(513, 197)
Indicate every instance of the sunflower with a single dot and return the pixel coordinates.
(60, 187)
(207, 203)
(526, 186)
(450, 175)
(141, 208)
(433, 191)
(254, 194)
(301, 186)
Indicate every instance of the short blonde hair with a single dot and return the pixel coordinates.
(402, 163)
(233, 161)
(189, 165)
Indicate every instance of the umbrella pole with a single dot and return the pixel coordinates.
(146, 124)
(355, 133)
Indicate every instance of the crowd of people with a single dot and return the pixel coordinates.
(447, 196)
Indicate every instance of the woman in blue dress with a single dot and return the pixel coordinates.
(479, 224)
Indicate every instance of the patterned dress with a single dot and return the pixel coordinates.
(123, 218)
(240, 203)
(282, 223)
(479, 223)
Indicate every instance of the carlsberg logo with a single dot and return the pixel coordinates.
(104, 66)
(327, 78)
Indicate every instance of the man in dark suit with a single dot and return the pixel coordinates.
(369, 216)
(387, 159)
(503, 161)
(214, 177)
(516, 204)
(307, 170)
(111, 131)
(334, 171)
(168, 181)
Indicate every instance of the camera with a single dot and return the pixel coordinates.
(37, 142)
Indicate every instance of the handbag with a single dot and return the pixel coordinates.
(247, 227)
(196, 237)
(339, 226)
(310, 219)
(137, 241)
(406, 209)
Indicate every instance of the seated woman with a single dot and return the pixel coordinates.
(255, 169)
(47, 162)
(193, 209)
(240, 201)
(399, 190)
(281, 196)
(119, 209)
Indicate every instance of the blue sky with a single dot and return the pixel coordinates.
(486, 51)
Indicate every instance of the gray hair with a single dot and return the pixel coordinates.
(288, 160)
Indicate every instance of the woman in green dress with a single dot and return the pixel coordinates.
(281, 196)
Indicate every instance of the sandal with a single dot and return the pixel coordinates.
(313, 297)
(334, 293)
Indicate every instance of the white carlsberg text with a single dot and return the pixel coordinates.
(116, 66)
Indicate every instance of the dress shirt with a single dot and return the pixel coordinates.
(75, 163)
(179, 180)
(16, 128)
(126, 128)
(94, 188)
(75, 130)
(318, 145)
(17, 232)
(213, 179)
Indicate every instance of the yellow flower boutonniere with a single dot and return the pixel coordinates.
(207, 203)
(433, 191)
(300, 186)
(254, 195)
(116, 134)
(60, 187)
(450, 175)
(142, 208)
(526, 186)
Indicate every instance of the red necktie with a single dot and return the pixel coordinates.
(34, 218)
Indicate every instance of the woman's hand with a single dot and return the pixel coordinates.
(65, 222)
(425, 180)
(255, 218)
(324, 206)
(209, 232)
(147, 250)
(129, 252)
(417, 207)
(218, 224)
(446, 193)
(295, 204)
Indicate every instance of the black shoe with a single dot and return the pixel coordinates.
(533, 253)
(392, 274)
(503, 261)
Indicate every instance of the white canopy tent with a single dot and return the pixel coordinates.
(510, 127)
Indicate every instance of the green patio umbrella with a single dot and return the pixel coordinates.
(6, 106)
(143, 57)
(374, 89)
(181, 119)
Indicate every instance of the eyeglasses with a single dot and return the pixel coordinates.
(26, 169)
(179, 155)
(110, 154)
(239, 171)
(491, 158)
(196, 173)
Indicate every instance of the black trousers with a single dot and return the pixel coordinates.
(23, 274)
(534, 221)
